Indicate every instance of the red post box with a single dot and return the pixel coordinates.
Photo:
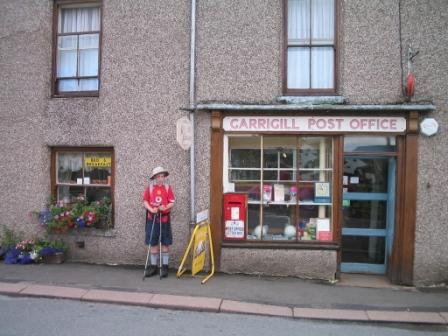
(235, 216)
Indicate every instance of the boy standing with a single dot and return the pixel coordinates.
(158, 199)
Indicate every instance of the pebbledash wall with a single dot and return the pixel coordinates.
(145, 88)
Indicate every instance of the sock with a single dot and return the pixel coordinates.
(165, 258)
(154, 257)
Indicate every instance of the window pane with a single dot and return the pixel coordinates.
(67, 56)
(69, 168)
(97, 194)
(89, 41)
(322, 72)
(73, 85)
(299, 20)
(298, 68)
(278, 223)
(245, 158)
(369, 144)
(67, 22)
(253, 222)
(244, 175)
(270, 175)
(363, 249)
(88, 19)
(279, 154)
(88, 55)
(88, 84)
(98, 167)
(315, 222)
(67, 85)
(366, 174)
(270, 158)
(70, 194)
(365, 214)
(79, 20)
(252, 190)
(316, 152)
(322, 12)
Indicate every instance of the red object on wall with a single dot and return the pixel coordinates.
(410, 82)
(235, 216)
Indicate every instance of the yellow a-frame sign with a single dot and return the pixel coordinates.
(199, 239)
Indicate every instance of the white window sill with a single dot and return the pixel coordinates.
(311, 100)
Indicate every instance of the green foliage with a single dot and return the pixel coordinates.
(60, 217)
(9, 238)
(47, 242)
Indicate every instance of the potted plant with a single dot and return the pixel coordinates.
(51, 251)
(8, 242)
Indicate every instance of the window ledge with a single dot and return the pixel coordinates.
(92, 232)
(309, 100)
(284, 245)
(94, 94)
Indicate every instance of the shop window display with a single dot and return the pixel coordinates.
(288, 180)
(83, 175)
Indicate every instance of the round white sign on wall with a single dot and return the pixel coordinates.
(429, 126)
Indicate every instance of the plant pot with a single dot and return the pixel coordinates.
(54, 258)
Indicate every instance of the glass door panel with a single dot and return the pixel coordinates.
(368, 213)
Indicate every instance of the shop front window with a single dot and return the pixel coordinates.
(83, 175)
(288, 182)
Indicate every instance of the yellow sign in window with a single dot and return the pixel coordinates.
(98, 161)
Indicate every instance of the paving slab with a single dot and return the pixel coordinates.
(405, 317)
(106, 296)
(229, 306)
(12, 288)
(185, 302)
(54, 292)
(331, 314)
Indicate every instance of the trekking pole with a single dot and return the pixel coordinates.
(160, 245)
(149, 245)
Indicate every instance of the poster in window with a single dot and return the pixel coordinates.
(267, 193)
(322, 192)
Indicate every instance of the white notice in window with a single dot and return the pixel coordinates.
(354, 180)
(279, 192)
(323, 224)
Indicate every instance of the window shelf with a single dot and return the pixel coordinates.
(83, 185)
(288, 203)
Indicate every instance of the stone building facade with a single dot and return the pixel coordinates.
(241, 57)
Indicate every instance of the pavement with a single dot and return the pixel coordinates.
(357, 298)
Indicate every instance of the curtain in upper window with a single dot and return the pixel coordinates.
(78, 49)
(310, 54)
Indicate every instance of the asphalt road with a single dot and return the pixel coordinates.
(38, 316)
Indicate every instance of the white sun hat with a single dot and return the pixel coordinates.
(157, 171)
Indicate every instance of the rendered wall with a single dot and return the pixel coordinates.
(144, 84)
(305, 264)
(424, 27)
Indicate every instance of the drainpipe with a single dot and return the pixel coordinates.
(192, 111)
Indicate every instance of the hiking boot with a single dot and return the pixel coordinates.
(164, 271)
(152, 270)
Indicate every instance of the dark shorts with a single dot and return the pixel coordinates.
(167, 235)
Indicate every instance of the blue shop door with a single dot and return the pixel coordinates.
(368, 213)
